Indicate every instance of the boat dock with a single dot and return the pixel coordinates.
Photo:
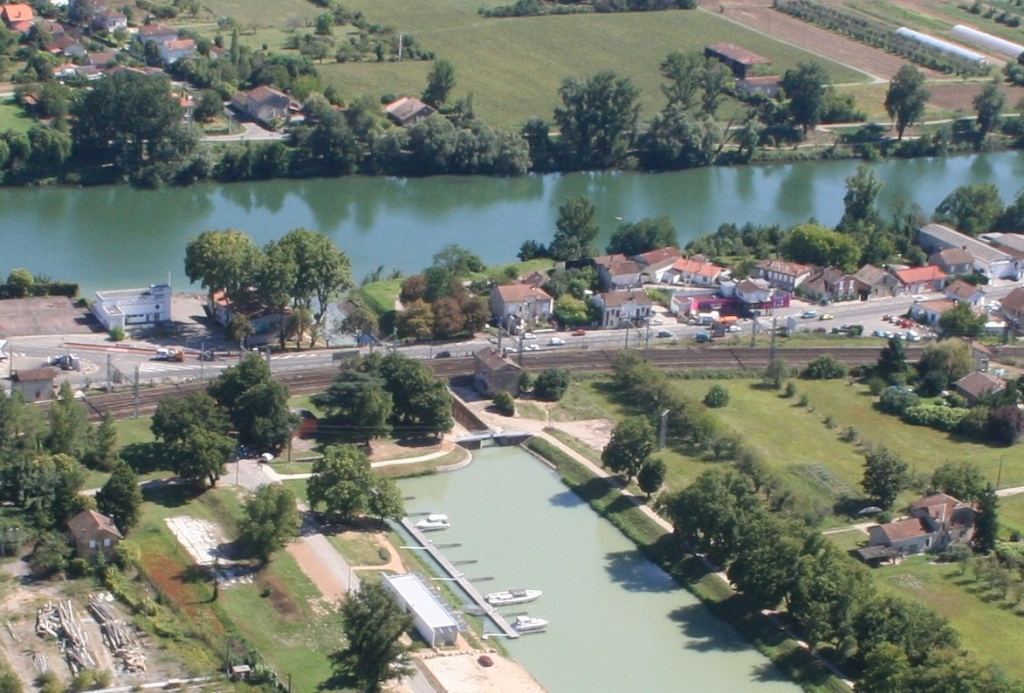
(459, 577)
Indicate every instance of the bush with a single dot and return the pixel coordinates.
(896, 400)
(525, 382)
(551, 384)
(937, 417)
(790, 390)
(504, 403)
(805, 399)
(825, 367)
(48, 682)
(933, 384)
(851, 434)
(116, 334)
(717, 397)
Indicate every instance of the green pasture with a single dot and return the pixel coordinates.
(12, 117)
(265, 13)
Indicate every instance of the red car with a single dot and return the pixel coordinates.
(579, 332)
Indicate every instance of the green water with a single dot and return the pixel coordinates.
(618, 623)
(119, 237)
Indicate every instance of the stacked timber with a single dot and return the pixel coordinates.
(118, 636)
(59, 621)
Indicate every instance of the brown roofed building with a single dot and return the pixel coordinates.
(262, 103)
(620, 274)
(875, 282)
(1012, 307)
(916, 280)
(408, 111)
(974, 386)
(693, 271)
(952, 260)
(36, 383)
(494, 373)
(618, 307)
(94, 533)
(655, 263)
(522, 301)
(935, 522)
(737, 59)
(783, 274)
(962, 292)
(15, 12)
(929, 312)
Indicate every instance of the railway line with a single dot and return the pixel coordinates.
(124, 404)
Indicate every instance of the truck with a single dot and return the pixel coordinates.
(169, 354)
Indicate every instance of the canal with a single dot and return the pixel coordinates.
(119, 237)
(618, 622)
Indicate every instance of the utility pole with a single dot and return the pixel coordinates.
(647, 341)
(135, 412)
(202, 359)
(110, 380)
(401, 37)
(662, 430)
(771, 349)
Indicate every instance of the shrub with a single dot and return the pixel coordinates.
(117, 334)
(933, 384)
(717, 397)
(896, 400)
(805, 399)
(825, 367)
(790, 390)
(937, 417)
(851, 434)
(551, 384)
(504, 403)
(525, 382)
(48, 682)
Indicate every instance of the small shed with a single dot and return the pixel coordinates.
(36, 383)
(494, 373)
(739, 60)
(94, 533)
(433, 619)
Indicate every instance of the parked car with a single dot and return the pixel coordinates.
(656, 321)
(529, 335)
(531, 347)
(443, 355)
(664, 333)
(579, 332)
(702, 337)
(556, 341)
(734, 328)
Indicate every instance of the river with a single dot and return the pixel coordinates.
(120, 237)
(618, 623)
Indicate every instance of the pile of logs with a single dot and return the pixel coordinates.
(59, 621)
(119, 636)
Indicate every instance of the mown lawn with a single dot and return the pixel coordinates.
(988, 625)
(12, 117)
(265, 13)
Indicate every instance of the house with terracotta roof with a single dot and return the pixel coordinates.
(176, 49)
(263, 104)
(619, 274)
(830, 284)
(933, 523)
(102, 59)
(962, 292)
(624, 307)
(655, 263)
(919, 280)
(94, 533)
(974, 386)
(15, 12)
(1012, 306)
(783, 274)
(524, 302)
(408, 111)
(952, 261)
(66, 45)
(266, 321)
(693, 271)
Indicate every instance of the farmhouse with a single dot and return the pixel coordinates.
(408, 111)
(934, 523)
(739, 60)
(433, 620)
(133, 307)
(494, 373)
(262, 103)
(93, 533)
(618, 307)
(989, 261)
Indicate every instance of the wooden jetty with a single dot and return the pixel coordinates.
(456, 575)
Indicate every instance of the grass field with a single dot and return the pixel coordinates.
(988, 625)
(12, 117)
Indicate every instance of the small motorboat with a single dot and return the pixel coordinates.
(529, 624)
(432, 523)
(509, 597)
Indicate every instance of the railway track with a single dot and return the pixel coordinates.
(124, 405)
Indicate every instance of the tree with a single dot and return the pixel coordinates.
(963, 480)
(230, 385)
(951, 356)
(651, 475)
(962, 321)
(805, 87)
(20, 282)
(767, 548)
(458, 261)
(174, 417)
(973, 209)
(504, 403)
(122, 117)
(716, 397)
(374, 624)
(885, 669)
(199, 456)
(892, 360)
(440, 82)
(776, 373)
(222, 261)
(69, 425)
(416, 321)
(642, 236)
(988, 104)
(270, 520)
(906, 98)
(1005, 424)
(208, 106)
(681, 72)
(824, 367)
(597, 119)
(986, 524)
(551, 384)
(102, 449)
(678, 139)
(885, 476)
(120, 498)
(262, 417)
(239, 328)
(357, 403)
(576, 230)
(817, 245)
(633, 439)
(321, 272)
(344, 484)
(860, 212)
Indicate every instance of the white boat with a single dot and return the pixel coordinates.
(509, 597)
(432, 523)
(529, 624)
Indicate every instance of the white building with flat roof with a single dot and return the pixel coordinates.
(432, 618)
(127, 308)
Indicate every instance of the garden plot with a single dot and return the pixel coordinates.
(205, 543)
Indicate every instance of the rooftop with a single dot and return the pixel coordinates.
(978, 249)
(740, 55)
(792, 269)
(901, 530)
(613, 299)
(658, 256)
(89, 520)
(916, 275)
(423, 601)
(516, 293)
(977, 383)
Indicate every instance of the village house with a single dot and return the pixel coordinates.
(67, 46)
(127, 308)
(765, 85)
(102, 59)
(177, 49)
(929, 312)
(782, 274)
(875, 282)
(1012, 307)
(989, 261)
(919, 280)
(535, 279)
(521, 303)
(157, 32)
(934, 523)
(830, 284)
(54, 28)
(109, 19)
(408, 111)
(739, 60)
(655, 264)
(493, 373)
(620, 308)
(266, 321)
(952, 261)
(16, 12)
(262, 104)
(34, 383)
(693, 271)
(962, 292)
(981, 355)
(94, 533)
(974, 386)
(754, 291)
(619, 274)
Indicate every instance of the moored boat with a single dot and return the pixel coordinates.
(432, 523)
(529, 624)
(509, 597)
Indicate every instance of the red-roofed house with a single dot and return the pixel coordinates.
(15, 12)
(522, 301)
(929, 312)
(782, 274)
(94, 533)
(920, 280)
(177, 49)
(934, 523)
(620, 274)
(691, 271)
(655, 263)
(266, 321)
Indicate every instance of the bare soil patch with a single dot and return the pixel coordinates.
(280, 600)
(959, 97)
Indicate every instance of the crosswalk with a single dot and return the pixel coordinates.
(163, 366)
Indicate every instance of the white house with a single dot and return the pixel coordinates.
(177, 49)
(523, 301)
(754, 291)
(656, 263)
(434, 621)
(989, 261)
(133, 307)
(618, 307)
(692, 271)
(782, 274)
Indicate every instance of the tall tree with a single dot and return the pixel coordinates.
(374, 624)
(102, 449)
(358, 404)
(681, 72)
(962, 321)
(345, 485)
(270, 519)
(633, 439)
(597, 119)
(69, 426)
(906, 98)
(634, 238)
(892, 360)
(989, 104)
(262, 417)
(174, 417)
(973, 209)
(440, 82)
(963, 480)
(767, 549)
(885, 475)
(576, 230)
(230, 385)
(275, 281)
(651, 475)
(986, 525)
(817, 245)
(859, 210)
(805, 87)
(200, 455)
(222, 261)
(120, 498)
(322, 271)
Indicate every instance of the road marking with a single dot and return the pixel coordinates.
(158, 367)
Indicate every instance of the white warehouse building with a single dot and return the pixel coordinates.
(433, 620)
(127, 308)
